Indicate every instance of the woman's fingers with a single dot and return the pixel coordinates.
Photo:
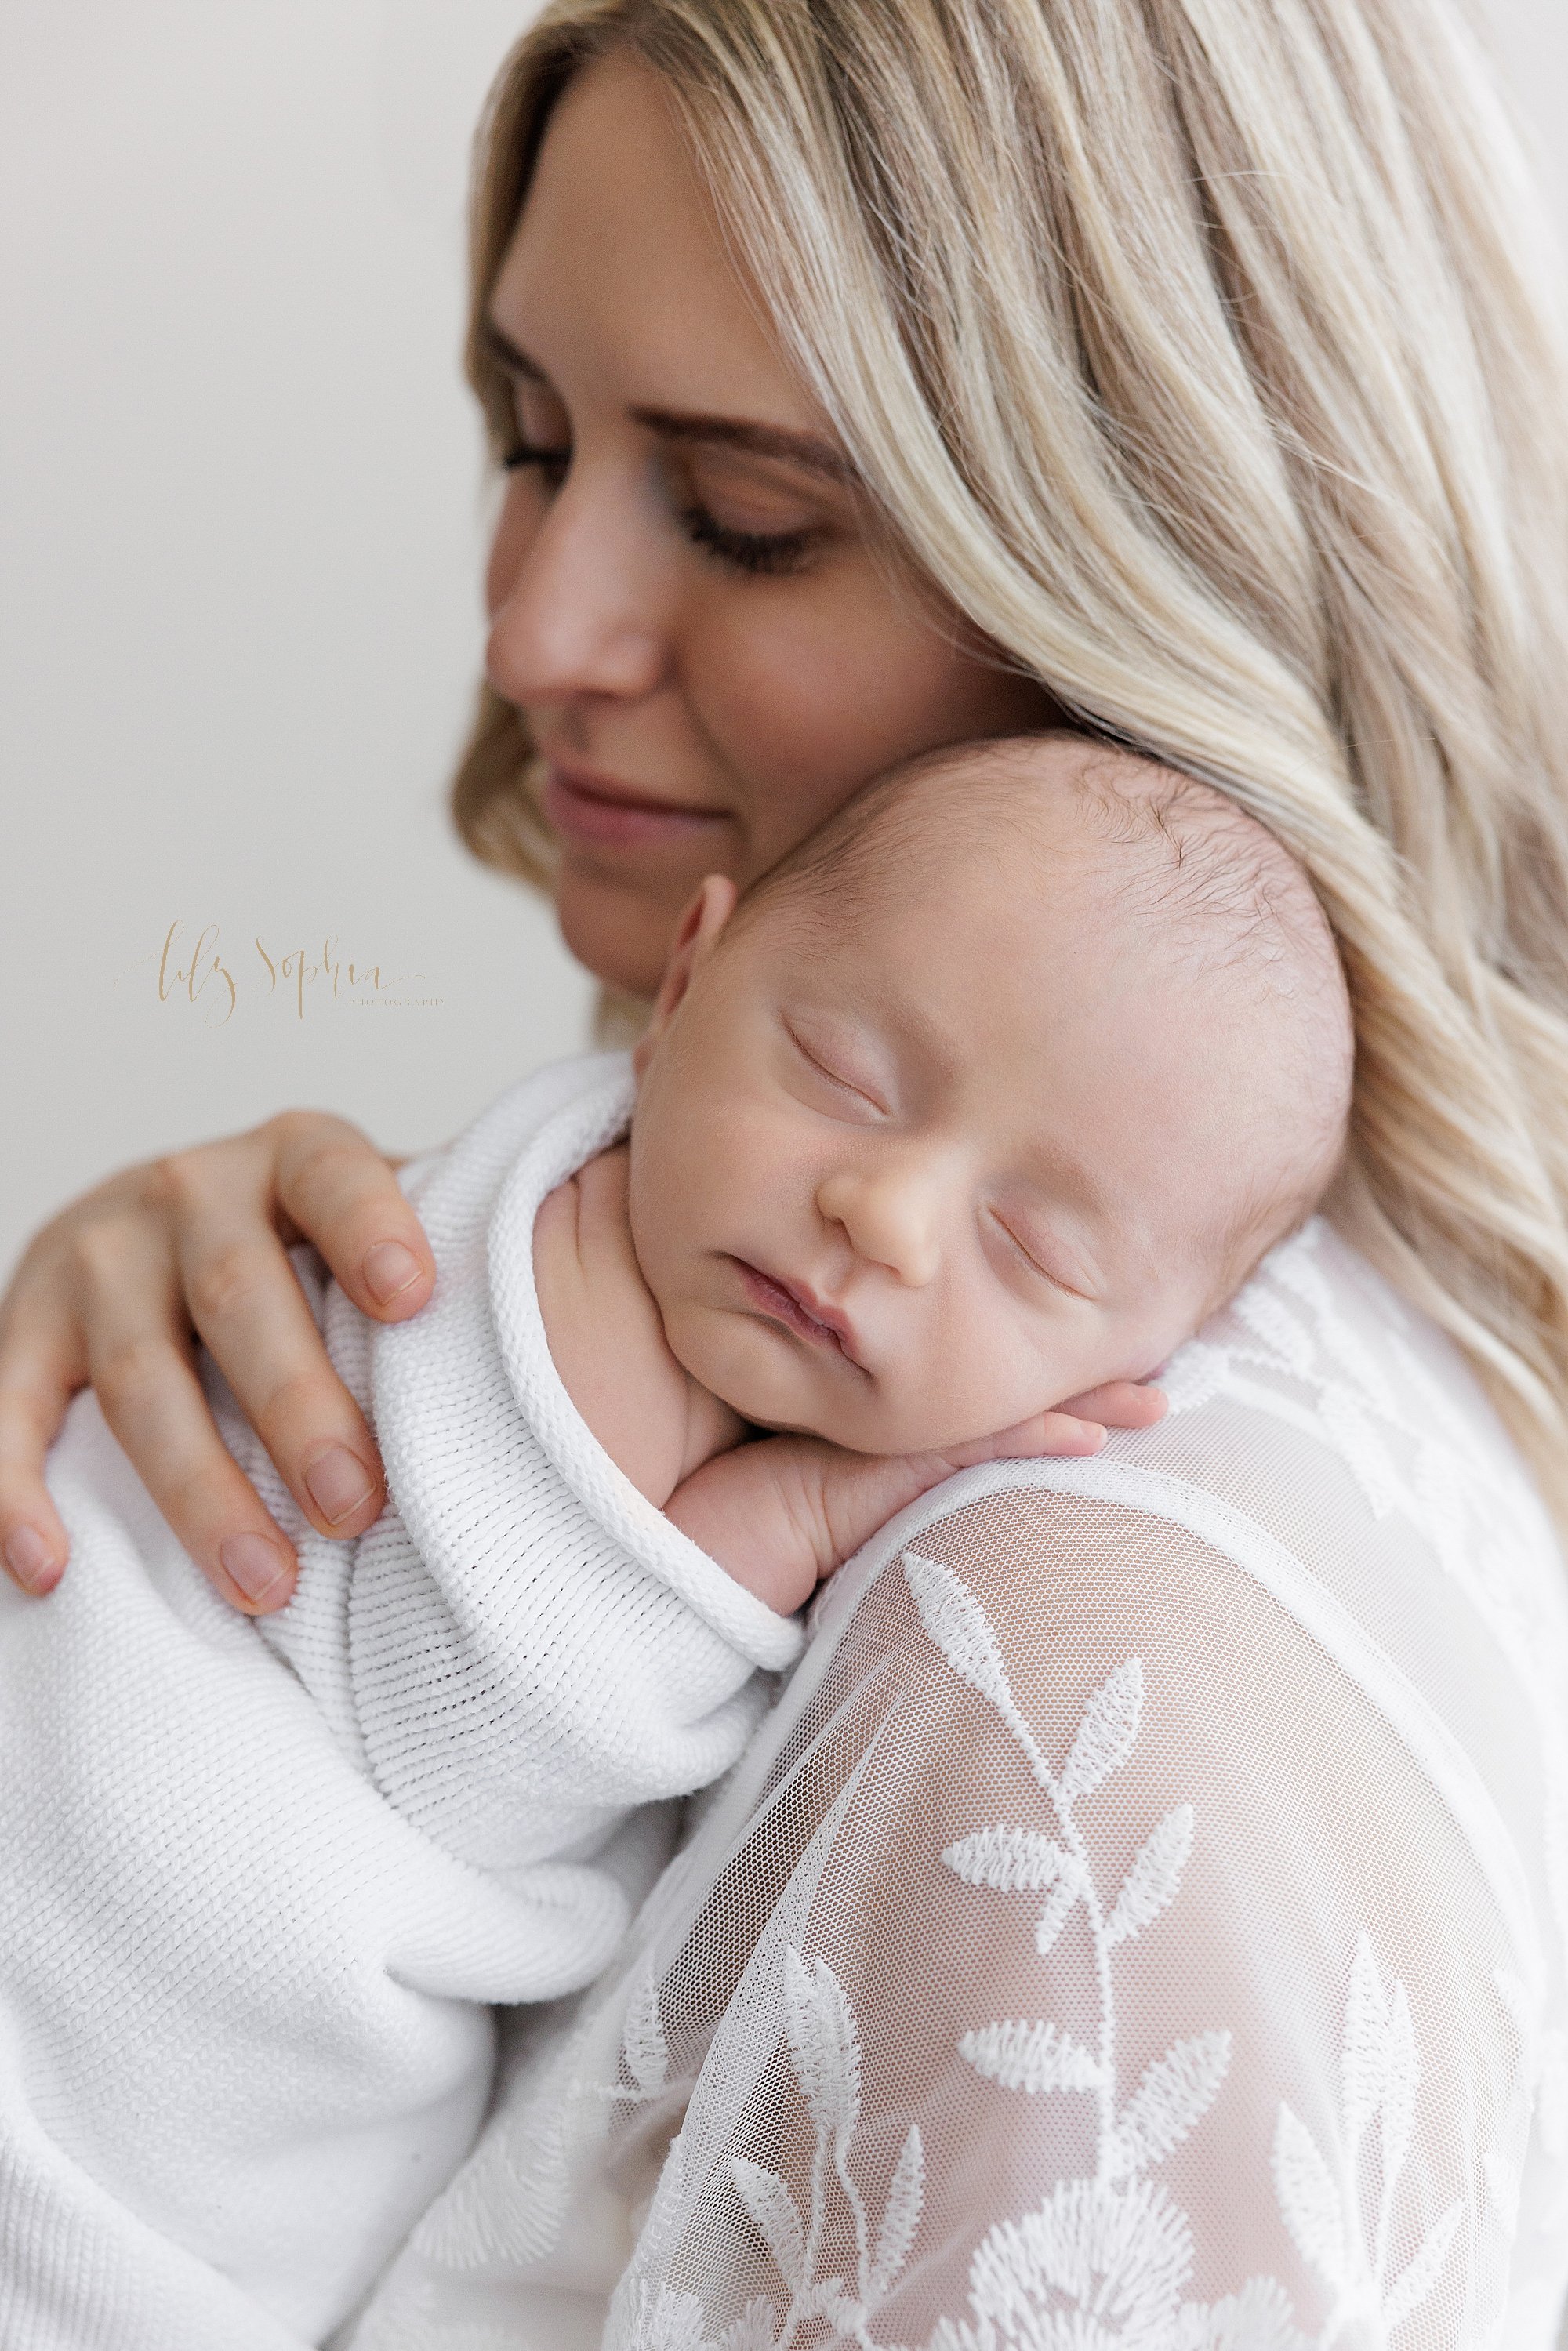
(39, 1373)
(248, 1309)
(110, 1291)
(335, 1190)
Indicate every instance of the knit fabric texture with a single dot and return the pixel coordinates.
(265, 1879)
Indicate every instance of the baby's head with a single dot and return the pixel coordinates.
(993, 1091)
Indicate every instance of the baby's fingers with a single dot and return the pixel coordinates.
(1053, 1434)
(1120, 1404)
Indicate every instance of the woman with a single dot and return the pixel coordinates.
(1143, 1919)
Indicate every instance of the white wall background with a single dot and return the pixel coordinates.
(240, 536)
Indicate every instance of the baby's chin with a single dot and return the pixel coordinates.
(771, 1382)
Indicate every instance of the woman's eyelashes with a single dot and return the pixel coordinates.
(551, 464)
(742, 550)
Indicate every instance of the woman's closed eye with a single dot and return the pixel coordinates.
(749, 550)
(774, 552)
(551, 464)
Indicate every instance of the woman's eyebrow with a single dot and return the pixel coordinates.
(806, 449)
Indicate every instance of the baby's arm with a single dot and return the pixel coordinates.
(784, 1512)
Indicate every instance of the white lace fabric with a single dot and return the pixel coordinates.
(1142, 1921)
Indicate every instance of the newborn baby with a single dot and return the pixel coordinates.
(987, 1097)
(983, 1101)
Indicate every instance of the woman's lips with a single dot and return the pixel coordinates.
(606, 815)
(799, 1310)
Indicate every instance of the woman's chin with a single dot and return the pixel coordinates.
(620, 934)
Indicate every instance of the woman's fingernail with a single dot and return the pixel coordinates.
(339, 1483)
(28, 1556)
(390, 1269)
(257, 1566)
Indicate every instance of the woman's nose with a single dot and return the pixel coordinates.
(890, 1217)
(573, 598)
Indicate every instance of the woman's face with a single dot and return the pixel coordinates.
(689, 601)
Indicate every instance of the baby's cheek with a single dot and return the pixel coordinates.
(951, 1386)
(990, 1373)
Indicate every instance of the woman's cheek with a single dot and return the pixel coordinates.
(797, 754)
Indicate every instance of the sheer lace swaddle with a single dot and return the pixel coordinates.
(1142, 1922)
(262, 1879)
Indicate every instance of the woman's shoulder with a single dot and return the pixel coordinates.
(1330, 1528)
(1320, 1416)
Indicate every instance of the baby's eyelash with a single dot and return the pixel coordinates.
(1030, 1259)
(834, 1077)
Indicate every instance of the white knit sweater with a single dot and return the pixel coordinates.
(261, 1880)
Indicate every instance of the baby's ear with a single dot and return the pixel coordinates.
(696, 938)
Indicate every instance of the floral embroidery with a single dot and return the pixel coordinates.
(1105, 2260)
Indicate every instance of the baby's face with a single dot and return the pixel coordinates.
(906, 1177)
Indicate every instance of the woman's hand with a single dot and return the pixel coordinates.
(112, 1292)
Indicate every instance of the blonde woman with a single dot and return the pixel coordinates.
(1145, 1916)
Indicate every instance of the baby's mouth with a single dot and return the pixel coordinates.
(798, 1310)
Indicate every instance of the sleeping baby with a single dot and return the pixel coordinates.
(979, 1104)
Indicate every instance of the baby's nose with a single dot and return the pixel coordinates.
(890, 1218)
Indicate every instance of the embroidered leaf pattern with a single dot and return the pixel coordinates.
(757, 2329)
(642, 2039)
(1309, 2200)
(771, 2206)
(1011, 1860)
(1176, 2092)
(1155, 1876)
(901, 2215)
(1057, 1908)
(1400, 2092)
(1107, 1732)
(824, 2046)
(1415, 2281)
(1025, 2056)
(960, 1628)
(1364, 2066)
(1106, 2259)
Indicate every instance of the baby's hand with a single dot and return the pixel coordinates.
(782, 1513)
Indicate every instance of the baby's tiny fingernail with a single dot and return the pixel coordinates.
(1094, 1433)
(257, 1566)
(390, 1269)
(28, 1557)
(339, 1483)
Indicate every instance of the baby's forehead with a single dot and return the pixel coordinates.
(1059, 824)
(1002, 876)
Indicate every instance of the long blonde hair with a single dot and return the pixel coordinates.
(1206, 354)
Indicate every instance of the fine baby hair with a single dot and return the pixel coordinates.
(1176, 861)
